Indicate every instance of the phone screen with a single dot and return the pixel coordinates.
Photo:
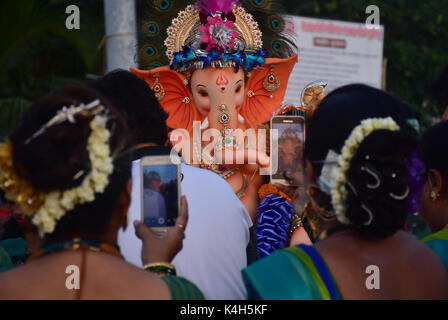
(287, 152)
(160, 194)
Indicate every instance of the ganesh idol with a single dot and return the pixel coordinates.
(225, 75)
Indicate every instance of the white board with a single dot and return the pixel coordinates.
(337, 51)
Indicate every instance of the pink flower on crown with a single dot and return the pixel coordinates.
(217, 33)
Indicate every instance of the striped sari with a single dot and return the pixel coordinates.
(294, 273)
(182, 289)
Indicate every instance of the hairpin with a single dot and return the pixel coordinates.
(400, 197)
(352, 188)
(67, 114)
(78, 175)
(369, 212)
(374, 175)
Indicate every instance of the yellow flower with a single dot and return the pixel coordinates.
(85, 191)
(100, 180)
(101, 150)
(47, 209)
(68, 199)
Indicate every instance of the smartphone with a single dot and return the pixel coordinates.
(286, 146)
(160, 192)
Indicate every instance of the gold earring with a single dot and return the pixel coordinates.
(271, 82)
(434, 195)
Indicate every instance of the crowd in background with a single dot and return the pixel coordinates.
(211, 252)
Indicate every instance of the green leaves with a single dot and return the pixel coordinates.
(11, 110)
(415, 42)
(38, 54)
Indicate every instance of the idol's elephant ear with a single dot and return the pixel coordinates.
(265, 90)
(172, 90)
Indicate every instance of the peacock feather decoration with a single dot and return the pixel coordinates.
(207, 33)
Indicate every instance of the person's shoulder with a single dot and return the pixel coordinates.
(133, 282)
(10, 280)
(203, 173)
(204, 179)
(205, 184)
(423, 258)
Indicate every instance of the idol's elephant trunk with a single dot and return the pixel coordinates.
(223, 113)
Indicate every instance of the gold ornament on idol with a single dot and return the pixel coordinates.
(226, 132)
(157, 88)
(182, 31)
(271, 82)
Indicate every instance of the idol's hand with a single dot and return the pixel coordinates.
(164, 248)
(249, 156)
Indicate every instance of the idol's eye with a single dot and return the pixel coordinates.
(203, 93)
(238, 89)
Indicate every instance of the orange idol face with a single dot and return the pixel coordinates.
(212, 88)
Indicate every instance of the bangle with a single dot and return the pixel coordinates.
(296, 223)
(161, 268)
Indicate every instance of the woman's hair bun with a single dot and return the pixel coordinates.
(58, 159)
(378, 183)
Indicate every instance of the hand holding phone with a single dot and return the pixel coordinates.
(160, 192)
(157, 248)
(287, 147)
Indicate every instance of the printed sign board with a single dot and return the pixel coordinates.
(337, 51)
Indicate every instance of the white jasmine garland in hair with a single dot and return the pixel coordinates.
(58, 203)
(339, 174)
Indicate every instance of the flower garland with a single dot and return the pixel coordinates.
(273, 218)
(268, 189)
(57, 203)
(359, 133)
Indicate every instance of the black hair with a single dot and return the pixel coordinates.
(11, 230)
(52, 160)
(439, 88)
(435, 148)
(382, 152)
(135, 100)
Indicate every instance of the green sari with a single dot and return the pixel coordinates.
(439, 243)
(294, 273)
(182, 289)
(12, 252)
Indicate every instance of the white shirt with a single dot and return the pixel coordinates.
(154, 204)
(217, 234)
